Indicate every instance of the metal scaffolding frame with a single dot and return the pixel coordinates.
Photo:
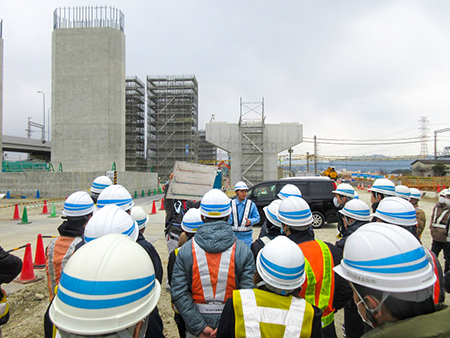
(135, 159)
(207, 152)
(173, 111)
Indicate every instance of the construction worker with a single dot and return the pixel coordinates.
(397, 211)
(437, 228)
(274, 309)
(420, 214)
(209, 267)
(289, 190)
(107, 289)
(191, 221)
(98, 185)
(118, 195)
(244, 214)
(343, 193)
(392, 283)
(381, 188)
(355, 214)
(10, 267)
(402, 191)
(322, 287)
(78, 209)
(272, 224)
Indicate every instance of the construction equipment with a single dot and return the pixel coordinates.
(331, 173)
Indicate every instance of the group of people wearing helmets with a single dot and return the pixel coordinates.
(104, 277)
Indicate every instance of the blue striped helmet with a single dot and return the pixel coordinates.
(383, 186)
(191, 220)
(271, 212)
(402, 191)
(289, 190)
(356, 209)
(415, 193)
(107, 286)
(345, 189)
(281, 265)
(295, 212)
(387, 258)
(215, 204)
(115, 194)
(140, 216)
(78, 204)
(100, 184)
(396, 210)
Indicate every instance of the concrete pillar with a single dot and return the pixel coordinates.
(88, 97)
(277, 137)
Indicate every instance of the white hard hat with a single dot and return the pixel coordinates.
(107, 286)
(443, 192)
(383, 186)
(396, 210)
(115, 194)
(191, 220)
(447, 192)
(387, 258)
(271, 212)
(240, 186)
(295, 212)
(356, 197)
(345, 189)
(402, 191)
(110, 219)
(100, 184)
(140, 216)
(281, 265)
(415, 193)
(78, 204)
(289, 190)
(215, 204)
(356, 209)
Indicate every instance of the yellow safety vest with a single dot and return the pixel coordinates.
(4, 307)
(265, 314)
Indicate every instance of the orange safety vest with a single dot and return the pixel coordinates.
(56, 256)
(213, 278)
(318, 288)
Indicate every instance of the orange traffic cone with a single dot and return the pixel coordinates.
(27, 275)
(154, 207)
(45, 208)
(443, 186)
(39, 258)
(162, 204)
(16, 213)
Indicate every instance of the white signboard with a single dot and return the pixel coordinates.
(191, 181)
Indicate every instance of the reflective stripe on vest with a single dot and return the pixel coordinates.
(319, 282)
(213, 278)
(4, 306)
(265, 240)
(236, 226)
(261, 313)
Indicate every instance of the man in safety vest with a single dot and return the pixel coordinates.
(209, 267)
(322, 288)
(343, 194)
(420, 214)
(274, 309)
(272, 224)
(244, 214)
(438, 225)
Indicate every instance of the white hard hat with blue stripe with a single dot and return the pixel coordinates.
(115, 194)
(383, 186)
(215, 204)
(78, 204)
(107, 286)
(110, 219)
(295, 212)
(191, 220)
(289, 190)
(415, 193)
(100, 184)
(387, 258)
(240, 186)
(396, 210)
(402, 191)
(345, 189)
(281, 265)
(140, 216)
(356, 209)
(271, 212)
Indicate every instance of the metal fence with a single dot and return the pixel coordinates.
(88, 17)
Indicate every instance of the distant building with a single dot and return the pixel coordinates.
(207, 152)
(424, 168)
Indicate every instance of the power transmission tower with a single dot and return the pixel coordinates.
(424, 135)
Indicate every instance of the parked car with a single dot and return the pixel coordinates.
(316, 191)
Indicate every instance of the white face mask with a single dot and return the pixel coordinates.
(336, 203)
(442, 200)
(447, 201)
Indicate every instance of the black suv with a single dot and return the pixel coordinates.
(317, 191)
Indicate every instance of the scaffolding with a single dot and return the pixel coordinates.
(173, 112)
(207, 152)
(135, 159)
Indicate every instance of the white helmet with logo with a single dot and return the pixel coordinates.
(396, 210)
(402, 191)
(110, 219)
(100, 184)
(295, 212)
(140, 216)
(383, 186)
(78, 204)
(415, 194)
(345, 189)
(115, 194)
(356, 209)
(281, 265)
(215, 204)
(107, 286)
(191, 220)
(240, 186)
(289, 190)
(387, 258)
(271, 212)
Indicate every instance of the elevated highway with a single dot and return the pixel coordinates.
(27, 145)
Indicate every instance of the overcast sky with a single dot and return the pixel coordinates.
(344, 69)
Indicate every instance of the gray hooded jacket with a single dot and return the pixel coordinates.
(212, 237)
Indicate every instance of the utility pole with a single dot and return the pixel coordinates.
(307, 162)
(290, 157)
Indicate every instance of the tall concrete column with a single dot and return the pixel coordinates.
(88, 89)
(277, 137)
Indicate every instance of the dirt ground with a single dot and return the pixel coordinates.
(29, 303)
